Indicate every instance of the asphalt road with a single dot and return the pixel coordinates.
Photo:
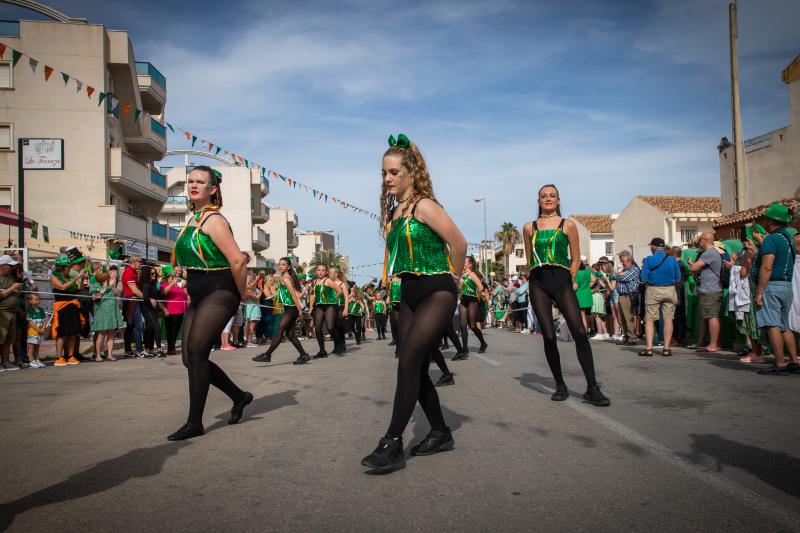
(693, 442)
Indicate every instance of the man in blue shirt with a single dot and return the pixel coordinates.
(772, 272)
(660, 272)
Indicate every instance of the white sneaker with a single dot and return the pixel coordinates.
(597, 337)
(526, 331)
(251, 345)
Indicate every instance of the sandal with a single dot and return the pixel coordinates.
(752, 358)
(666, 353)
(646, 353)
(111, 358)
(97, 359)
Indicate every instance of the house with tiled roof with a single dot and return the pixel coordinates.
(596, 235)
(729, 226)
(772, 159)
(676, 219)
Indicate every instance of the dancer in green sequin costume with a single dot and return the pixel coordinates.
(422, 247)
(553, 252)
(469, 308)
(324, 301)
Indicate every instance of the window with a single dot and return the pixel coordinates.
(5, 197)
(6, 75)
(688, 233)
(112, 200)
(518, 252)
(6, 137)
(609, 247)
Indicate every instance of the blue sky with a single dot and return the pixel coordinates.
(607, 99)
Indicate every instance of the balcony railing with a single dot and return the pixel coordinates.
(157, 178)
(159, 230)
(158, 128)
(147, 69)
(177, 200)
(9, 28)
(173, 233)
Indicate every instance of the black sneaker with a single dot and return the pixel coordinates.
(483, 347)
(238, 408)
(446, 379)
(460, 356)
(793, 368)
(188, 431)
(321, 354)
(560, 394)
(263, 358)
(387, 457)
(303, 359)
(436, 441)
(775, 371)
(595, 397)
(391, 343)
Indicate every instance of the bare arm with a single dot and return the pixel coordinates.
(62, 286)
(767, 261)
(434, 216)
(474, 277)
(218, 229)
(527, 229)
(697, 266)
(574, 247)
(287, 281)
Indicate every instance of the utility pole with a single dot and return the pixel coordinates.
(740, 172)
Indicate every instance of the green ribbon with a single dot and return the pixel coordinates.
(401, 141)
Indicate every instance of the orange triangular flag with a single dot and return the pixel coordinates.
(188, 136)
(210, 146)
(126, 109)
(89, 91)
(48, 71)
(2, 50)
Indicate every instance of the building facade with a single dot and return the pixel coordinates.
(312, 242)
(596, 235)
(109, 187)
(243, 192)
(282, 230)
(772, 160)
(676, 219)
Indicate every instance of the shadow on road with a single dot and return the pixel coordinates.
(775, 468)
(421, 427)
(100, 477)
(541, 384)
(260, 406)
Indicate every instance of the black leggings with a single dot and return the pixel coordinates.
(380, 324)
(286, 325)
(427, 304)
(355, 326)
(325, 317)
(393, 314)
(469, 313)
(548, 285)
(152, 330)
(341, 324)
(172, 323)
(207, 315)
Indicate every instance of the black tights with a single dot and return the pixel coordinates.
(550, 285)
(286, 325)
(393, 323)
(450, 333)
(468, 314)
(325, 317)
(380, 324)
(438, 358)
(355, 326)
(427, 305)
(201, 329)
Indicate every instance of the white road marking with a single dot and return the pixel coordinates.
(490, 361)
(755, 501)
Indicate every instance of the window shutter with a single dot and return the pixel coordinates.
(5, 74)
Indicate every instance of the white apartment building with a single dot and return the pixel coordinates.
(311, 242)
(243, 191)
(282, 230)
(109, 187)
(596, 235)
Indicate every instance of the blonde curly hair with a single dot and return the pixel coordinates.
(421, 187)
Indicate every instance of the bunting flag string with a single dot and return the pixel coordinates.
(116, 107)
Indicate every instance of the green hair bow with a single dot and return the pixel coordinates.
(401, 141)
(217, 174)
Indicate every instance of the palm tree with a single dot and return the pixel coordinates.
(508, 236)
(326, 257)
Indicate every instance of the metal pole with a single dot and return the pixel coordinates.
(485, 240)
(740, 190)
(21, 197)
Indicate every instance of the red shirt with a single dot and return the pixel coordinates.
(129, 274)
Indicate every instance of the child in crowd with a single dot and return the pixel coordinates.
(36, 318)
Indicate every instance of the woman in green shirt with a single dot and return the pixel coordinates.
(553, 252)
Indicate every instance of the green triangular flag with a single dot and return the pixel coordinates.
(17, 56)
(282, 177)
(246, 163)
(34, 230)
(101, 97)
(218, 150)
(45, 234)
(194, 140)
(170, 127)
(136, 113)
(65, 77)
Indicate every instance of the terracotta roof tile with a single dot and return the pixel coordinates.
(595, 223)
(685, 204)
(754, 213)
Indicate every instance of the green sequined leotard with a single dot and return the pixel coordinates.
(356, 309)
(549, 247)
(380, 307)
(414, 248)
(194, 249)
(284, 295)
(468, 287)
(395, 291)
(324, 295)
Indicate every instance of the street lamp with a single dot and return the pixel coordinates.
(485, 237)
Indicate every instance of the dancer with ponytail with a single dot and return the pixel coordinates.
(469, 309)
(325, 309)
(216, 274)
(421, 241)
(289, 289)
(553, 253)
(379, 309)
(343, 303)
